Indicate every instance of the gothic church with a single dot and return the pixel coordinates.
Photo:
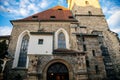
(60, 43)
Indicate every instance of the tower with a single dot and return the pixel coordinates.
(91, 20)
(88, 12)
(84, 7)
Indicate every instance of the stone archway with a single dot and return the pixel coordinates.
(57, 71)
(62, 63)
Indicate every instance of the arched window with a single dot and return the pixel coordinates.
(23, 51)
(57, 71)
(61, 40)
(86, 2)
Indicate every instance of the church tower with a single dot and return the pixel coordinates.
(91, 20)
(85, 7)
(88, 12)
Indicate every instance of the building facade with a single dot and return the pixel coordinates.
(61, 43)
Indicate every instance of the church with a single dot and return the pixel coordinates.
(73, 43)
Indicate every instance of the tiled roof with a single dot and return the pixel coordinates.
(56, 13)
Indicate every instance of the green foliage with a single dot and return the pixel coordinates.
(3, 49)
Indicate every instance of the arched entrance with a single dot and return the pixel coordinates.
(57, 71)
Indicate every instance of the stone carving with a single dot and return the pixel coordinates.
(80, 61)
(33, 63)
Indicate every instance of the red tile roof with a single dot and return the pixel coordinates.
(56, 13)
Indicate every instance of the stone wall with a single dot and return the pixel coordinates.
(19, 27)
(84, 10)
(75, 67)
(96, 22)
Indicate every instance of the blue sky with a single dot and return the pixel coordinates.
(16, 9)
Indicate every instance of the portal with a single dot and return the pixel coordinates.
(57, 71)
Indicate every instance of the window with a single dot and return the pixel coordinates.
(70, 17)
(61, 40)
(34, 17)
(90, 13)
(60, 9)
(23, 52)
(83, 39)
(40, 41)
(75, 11)
(93, 52)
(86, 2)
(96, 69)
(87, 63)
(52, 17)
(84, 47)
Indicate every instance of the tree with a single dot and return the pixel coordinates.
(3, 52)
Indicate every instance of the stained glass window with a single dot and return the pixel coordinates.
(23, 52)
(61, 40)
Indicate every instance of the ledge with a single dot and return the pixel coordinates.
(72, 20)
(42, 33)
(19, 68)
(89, 15)
(83, 34)
(67, 51)
(78, 27)
(34, 73)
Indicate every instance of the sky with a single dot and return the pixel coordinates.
(17, 9)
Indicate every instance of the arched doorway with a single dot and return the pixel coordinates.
(57, 71)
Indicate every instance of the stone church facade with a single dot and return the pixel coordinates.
(61, 43)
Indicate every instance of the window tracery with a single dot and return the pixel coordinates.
(23, 52)
(61, 40)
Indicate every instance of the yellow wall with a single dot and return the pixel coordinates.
(94, 3)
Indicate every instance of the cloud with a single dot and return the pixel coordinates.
(112, 12)
(114, 19)
(3, 9)
(23, 8)
(6, 3)
(43, 4)
(32, 7)
(61, 2)
(23, 12)
(116, 30)
(5, 30)
(114, 22)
